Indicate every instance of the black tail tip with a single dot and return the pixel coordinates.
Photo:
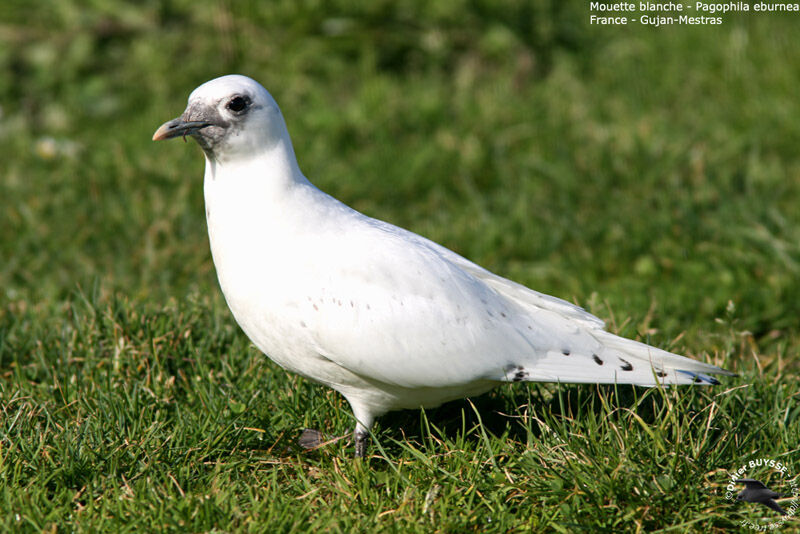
(698, 378)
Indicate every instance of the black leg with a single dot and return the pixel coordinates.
(360, 436)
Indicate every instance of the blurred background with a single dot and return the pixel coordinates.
(648, 173)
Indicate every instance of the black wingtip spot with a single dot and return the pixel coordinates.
(661, 374)
(565, 352)
(597, 359)
(519, 375)
(626, 365)
(697, 380)
(713, 381)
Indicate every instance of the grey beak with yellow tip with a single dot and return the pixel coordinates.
(179, 127)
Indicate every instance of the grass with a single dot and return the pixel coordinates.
(649, 175)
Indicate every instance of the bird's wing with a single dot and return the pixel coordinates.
(775, 506)
(392, 306)
(389, 309)
(520, 293)
(670, 368)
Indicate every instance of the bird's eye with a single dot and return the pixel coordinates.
(237, 104)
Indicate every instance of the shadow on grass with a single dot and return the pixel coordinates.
(518, 414)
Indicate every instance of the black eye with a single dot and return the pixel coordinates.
(238, 103)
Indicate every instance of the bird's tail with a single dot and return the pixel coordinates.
(622, 361)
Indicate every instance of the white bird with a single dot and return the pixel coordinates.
(389, 319)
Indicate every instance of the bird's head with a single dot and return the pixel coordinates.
(231, 117)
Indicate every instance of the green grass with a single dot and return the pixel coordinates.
(650, 175)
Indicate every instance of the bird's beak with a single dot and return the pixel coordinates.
(178, 127)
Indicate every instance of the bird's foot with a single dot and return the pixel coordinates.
(310, 439)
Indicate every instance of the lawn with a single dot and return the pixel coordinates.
(650, 175)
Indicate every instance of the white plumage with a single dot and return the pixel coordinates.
(388, 318)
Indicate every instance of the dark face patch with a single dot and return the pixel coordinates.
(220, 127)
(211, 135)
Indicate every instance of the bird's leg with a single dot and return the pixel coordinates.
(360, 437)
(364, 419)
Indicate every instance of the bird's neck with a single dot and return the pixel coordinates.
(261, 194)
(251, 204)
(272, 167)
